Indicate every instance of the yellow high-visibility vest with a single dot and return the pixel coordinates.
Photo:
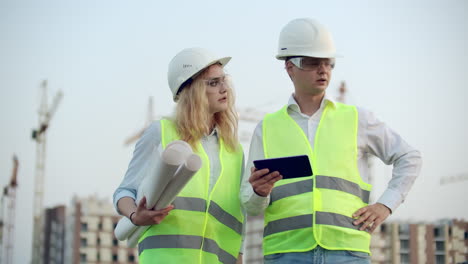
(205, 226)
(316, 210)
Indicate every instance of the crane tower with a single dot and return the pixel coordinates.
(39, 135)
(7, 223)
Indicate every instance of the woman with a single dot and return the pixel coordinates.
(204, 224)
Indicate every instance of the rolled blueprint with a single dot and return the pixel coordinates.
(162, 172)
(183, 175)
(178, 182)
(157, 178)
(124, 228)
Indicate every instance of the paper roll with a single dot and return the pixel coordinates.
(178, 182)
(177, 159)
(132, 239)
(159, 176)
(124, 229)
(181, 146)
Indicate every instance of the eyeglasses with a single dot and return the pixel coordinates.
(216, 82)
(312, 64)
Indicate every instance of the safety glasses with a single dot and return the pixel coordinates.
(312, 64)
(216, 82)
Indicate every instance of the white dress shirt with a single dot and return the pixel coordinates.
(374, 138)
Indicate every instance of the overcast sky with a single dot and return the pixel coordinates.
(404, 60)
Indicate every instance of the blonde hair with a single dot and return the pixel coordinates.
(193, 120)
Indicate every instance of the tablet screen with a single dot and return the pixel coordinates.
(289, 167)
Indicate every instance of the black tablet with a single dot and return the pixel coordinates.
(289, 167)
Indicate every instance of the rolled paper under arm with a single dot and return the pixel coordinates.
(178, 182)
(160, 174)
(124, 229)
(183, 175)
(132, 240)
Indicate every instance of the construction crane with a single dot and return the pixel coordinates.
(245, 114)
(8, 223)
(342, 92)
(39, 135)
(250, 115)
(454, 178)
(149, 118)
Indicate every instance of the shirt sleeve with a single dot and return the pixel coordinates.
(390, 147)
(142, 157)
(253, 204)
(243, 211)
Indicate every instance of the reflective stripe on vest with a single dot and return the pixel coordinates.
(186, 242)
(204, 226)
(332, 219)
(316, 210)
(287, 224)
(303, 221)
(199, 205)
(290, 189)
(324, 182)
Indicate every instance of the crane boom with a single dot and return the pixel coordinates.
(53, 108)
(454, 178)
(149, 118)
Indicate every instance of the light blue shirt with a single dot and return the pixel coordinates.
(144, 155)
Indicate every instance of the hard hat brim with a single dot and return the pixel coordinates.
(223, 61)
(285, 55)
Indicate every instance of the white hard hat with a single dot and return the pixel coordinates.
(305, 37)
(188, 63)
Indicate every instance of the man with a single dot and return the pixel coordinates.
(326, 217)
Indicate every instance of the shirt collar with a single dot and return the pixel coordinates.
(294, 106)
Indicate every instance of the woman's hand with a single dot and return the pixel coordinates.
(146, 217)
